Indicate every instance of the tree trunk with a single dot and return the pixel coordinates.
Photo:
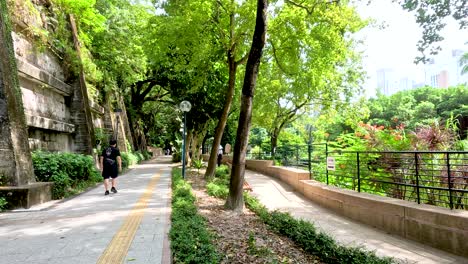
(15, 157)
(125, 122)
(274, 143)
(227, 106)
(193, 147)
(188, 142)
(235, 200)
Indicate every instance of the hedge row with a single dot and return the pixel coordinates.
(132, 158)
(191, 242)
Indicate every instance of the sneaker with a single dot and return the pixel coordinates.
(106, 193)
(113, 190)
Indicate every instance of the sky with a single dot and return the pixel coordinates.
(395, 45)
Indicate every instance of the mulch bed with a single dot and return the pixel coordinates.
(244, 238)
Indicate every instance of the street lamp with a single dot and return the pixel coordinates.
(185, 107)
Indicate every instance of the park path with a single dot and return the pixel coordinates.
(276, 195)
(130, 226)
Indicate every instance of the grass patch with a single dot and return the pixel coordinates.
(303, 233)
(191, 242)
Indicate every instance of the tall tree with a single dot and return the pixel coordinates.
(235, 200)
(431, 16)
(232, 49)
(195, 31)
(310, 61)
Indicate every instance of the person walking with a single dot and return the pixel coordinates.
(220, 155)
(111, 165)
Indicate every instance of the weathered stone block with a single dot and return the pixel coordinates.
(25, 196)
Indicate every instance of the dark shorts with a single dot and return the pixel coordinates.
(110, 173)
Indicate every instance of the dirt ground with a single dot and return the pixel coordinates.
(244, 238)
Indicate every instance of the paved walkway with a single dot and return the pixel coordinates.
(275, 194)
(130, 226)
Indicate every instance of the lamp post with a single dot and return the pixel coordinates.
(185, 106)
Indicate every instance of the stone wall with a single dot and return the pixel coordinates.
(51, 106)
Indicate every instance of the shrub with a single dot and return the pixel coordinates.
(191, 242)
(176, 157)
(61, 183)
(66, 170)
(3, 203)
(140, 157)
(217, 190)
(304, 234)
(147, 154)
(128, 159)
(133, 158)
(222, 171)
(125, 160)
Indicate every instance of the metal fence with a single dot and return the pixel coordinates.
(437, 178)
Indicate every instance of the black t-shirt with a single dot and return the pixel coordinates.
(110, 155)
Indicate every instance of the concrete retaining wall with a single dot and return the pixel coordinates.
(54, 123)
(434, 226)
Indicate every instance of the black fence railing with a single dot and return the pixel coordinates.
(437, 178)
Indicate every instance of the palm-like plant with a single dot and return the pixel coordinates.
(464, 63)
(198, 164)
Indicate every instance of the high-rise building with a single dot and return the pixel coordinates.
(389, 81)
(445, 70)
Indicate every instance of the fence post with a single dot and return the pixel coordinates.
(309, 152)
(259, 151)
(416, 164)
(358, 173)
(297, 155)
(449, 181)
(326, 157)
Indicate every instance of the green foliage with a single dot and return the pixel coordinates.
(432, 18)
(139, 155)
(191, 242)
(66, 170)
(254, 249)
(128, 159)
(197, 164)
(222, 172)
(101, 135)
(304, 234)
(461, 145)
(419, 107)
(300, 72)
(61, 183)
(176, 157)
(3, 203)
(218, 188)
(257, 136)
(133, 158)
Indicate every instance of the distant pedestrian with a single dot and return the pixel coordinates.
(111, 165)
(220, 155)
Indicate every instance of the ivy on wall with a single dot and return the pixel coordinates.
(46, 24)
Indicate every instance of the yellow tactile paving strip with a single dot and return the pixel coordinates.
(118, 248)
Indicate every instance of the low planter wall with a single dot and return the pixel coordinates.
(434, 226)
